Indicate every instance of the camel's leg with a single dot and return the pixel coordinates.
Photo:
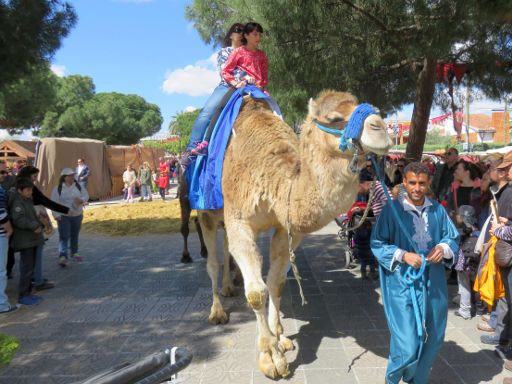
(276, 279)
(185, 218)
(204, 250)
(228, 289)
(242, 245)
(209, 225)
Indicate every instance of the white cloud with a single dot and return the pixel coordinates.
(59, 70)
(190, 109)
(198, 79)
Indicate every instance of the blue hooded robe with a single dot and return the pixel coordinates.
(411, 356)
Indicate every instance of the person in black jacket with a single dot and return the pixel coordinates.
(31, 173)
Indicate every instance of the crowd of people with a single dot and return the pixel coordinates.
(25, 225)
(148, 181)
(440, 219)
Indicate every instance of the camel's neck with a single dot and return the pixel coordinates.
(325, 186)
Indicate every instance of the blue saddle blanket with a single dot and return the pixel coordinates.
(204, 174)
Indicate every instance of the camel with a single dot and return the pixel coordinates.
(296, 185)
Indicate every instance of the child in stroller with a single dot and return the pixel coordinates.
(358, 239)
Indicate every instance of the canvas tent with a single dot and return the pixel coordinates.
(120, 156)
(54, 154)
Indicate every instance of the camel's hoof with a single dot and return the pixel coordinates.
(185, 258)
(285, 344)
(273, 368)
(218, 316)
(228, 291)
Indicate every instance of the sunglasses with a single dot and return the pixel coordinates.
(450, 153)
(238, 30)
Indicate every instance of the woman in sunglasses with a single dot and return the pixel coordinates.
(232, 41)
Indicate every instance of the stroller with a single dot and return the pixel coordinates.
(348, 224)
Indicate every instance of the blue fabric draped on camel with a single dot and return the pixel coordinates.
(204, 175)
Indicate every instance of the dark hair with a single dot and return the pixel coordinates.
(453, 150)
(474, 172)
(23, 183)
(27, 171)
(235, 27)
(416, 168)
(250, 27)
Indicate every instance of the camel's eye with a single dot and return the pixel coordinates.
(337, 119)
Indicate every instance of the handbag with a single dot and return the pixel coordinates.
(503, 253)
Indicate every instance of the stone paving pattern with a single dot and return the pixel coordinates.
(132, 297)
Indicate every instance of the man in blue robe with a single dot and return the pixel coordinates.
(415, 300)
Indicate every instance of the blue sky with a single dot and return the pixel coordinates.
(143, 47)
(146, 47)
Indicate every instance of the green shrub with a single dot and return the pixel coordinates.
(8, 347)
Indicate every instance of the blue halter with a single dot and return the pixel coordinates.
(354, 127)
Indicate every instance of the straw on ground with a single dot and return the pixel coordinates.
(139, 218)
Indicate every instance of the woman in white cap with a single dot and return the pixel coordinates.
(69, 193)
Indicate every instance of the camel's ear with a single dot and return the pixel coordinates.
(312, 108)
(335, 116)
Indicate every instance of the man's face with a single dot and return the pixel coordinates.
(451, 157)
(416, 186)
(364, 187)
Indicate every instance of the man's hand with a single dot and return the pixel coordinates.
(38, 230)
(413, 259)
(502, 220)
(436, 254)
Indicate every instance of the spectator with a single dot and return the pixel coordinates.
(129, 179)
(398, 175)
(7, 183)
(502, 192)
(30, 172)
(443, 177)
(145, 182)
(163, 182)
(5, 233)
(27, 236)
(71, 194)
(82, 173)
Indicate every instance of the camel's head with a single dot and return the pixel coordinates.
(339, 113)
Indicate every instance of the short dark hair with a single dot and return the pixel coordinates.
(23, 183)
(27, 171)
(235, 27)
(452, 149)
(416, 168)
(474, 172)
(250, 27)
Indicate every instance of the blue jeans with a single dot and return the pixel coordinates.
(69, 229)
(38, 268)
(4, 247)
(144, 191)
(203, 120)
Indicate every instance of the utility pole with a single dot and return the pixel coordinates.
(468, 149)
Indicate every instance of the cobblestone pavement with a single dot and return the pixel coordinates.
(131, 297)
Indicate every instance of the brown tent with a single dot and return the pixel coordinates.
(54, 154)
(121, 155)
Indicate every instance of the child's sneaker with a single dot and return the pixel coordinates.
(63, 261)
(201, 149)
(76, 257)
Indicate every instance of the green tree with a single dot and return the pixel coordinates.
(30, 33)
(386, 53)
(24, 102)
(181, 125)
(113, 117)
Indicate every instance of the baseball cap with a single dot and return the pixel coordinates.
(67, 172)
